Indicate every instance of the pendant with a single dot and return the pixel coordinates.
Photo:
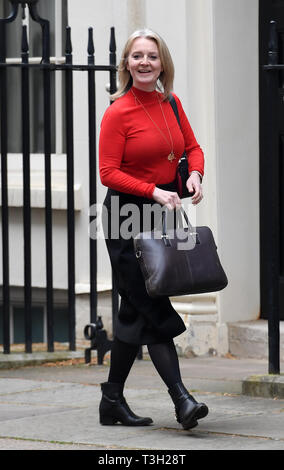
(171, 156)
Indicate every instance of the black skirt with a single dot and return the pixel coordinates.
(140, 319)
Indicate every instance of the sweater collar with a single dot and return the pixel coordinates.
(145, 96)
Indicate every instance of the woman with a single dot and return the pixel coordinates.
(140, 145)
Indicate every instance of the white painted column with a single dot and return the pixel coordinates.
(136, 15)
(237, 155)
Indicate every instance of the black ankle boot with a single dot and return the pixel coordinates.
(188, 410)
(114, 408)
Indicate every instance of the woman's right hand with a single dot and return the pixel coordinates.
(167, 198)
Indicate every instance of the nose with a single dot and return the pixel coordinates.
(145, 59)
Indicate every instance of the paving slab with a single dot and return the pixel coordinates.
(22, 444)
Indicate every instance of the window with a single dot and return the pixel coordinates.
(39, 335)
(18, 323)
(56, 12)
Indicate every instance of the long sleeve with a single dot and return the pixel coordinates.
(111, 150)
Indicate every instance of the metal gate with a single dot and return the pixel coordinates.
(94, 332)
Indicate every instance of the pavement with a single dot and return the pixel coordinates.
(54, 406)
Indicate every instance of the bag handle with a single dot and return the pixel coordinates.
(165, 236)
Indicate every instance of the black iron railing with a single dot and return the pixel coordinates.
(47, 70)
(271, 228)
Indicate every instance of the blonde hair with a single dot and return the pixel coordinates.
(166, 78)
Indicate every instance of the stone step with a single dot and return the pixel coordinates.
(250, 339)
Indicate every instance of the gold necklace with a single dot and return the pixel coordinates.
(171, 155)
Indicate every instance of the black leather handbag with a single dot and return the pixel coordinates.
(179, 261)
(182, 168)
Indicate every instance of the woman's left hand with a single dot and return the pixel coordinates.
(194, 185)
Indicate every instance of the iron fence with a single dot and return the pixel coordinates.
(95, 332)
(273, 95)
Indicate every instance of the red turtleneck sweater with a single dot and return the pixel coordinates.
(133, 152)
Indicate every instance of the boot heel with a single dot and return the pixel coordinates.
(108, 420)
(114, 408)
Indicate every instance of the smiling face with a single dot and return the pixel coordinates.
(144, 64)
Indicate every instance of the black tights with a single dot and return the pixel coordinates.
(163, 356)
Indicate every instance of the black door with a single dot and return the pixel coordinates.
(271, 161)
